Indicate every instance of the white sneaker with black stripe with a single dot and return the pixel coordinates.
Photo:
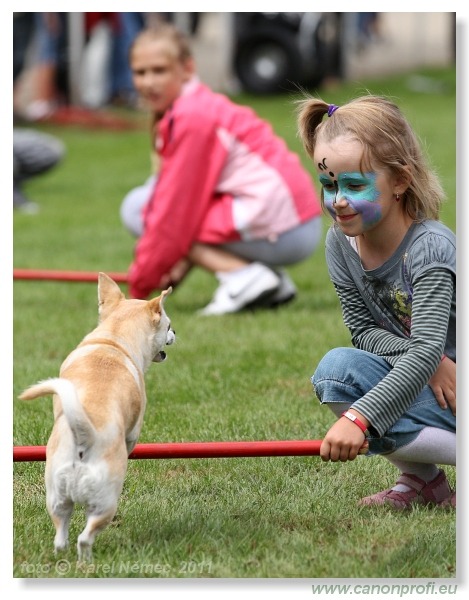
(286, 292)
(240, 288)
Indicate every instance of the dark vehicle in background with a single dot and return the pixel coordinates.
(276, 52)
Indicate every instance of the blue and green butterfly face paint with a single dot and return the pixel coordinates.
(358, 189)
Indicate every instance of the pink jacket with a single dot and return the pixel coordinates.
(224, 176)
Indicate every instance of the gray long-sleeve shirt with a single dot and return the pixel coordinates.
(403, 311)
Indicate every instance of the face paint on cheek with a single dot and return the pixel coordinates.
(362, 195)
(371, 213)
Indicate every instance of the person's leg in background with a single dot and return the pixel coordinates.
(34, 153)
(128, 25)
(250, 272)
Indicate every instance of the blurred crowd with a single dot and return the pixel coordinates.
(63, 58)
(41, 59)
(41, 79)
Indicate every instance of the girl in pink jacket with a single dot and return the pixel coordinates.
(229, 196)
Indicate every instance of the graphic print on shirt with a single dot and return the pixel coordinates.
(392, 301)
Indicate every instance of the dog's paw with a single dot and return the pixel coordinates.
(84, 551)
(60, 544)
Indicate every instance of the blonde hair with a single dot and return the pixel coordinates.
(388, 141)
(166, 32)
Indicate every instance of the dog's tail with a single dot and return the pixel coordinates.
(81, 426)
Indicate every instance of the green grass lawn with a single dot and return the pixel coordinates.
(236, 377)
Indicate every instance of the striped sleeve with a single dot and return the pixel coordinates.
(414, 359)
(366, 333)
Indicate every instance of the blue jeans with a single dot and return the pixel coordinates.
(346, 374)
(129, 25)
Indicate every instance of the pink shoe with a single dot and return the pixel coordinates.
(449, 502)
(436, 491)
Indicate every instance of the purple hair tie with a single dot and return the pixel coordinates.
(331, 110)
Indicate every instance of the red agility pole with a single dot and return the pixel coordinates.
(47, 275)
(197, 450)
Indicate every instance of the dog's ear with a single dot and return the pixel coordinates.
(165, 293)
(109, 295)
(156, 305)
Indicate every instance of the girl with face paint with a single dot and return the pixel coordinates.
(393, 265)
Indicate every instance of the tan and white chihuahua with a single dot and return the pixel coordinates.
(99, 404)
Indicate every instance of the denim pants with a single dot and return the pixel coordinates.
(346, 374)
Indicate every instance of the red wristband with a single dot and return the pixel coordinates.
(443, 358)
(351, 417)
